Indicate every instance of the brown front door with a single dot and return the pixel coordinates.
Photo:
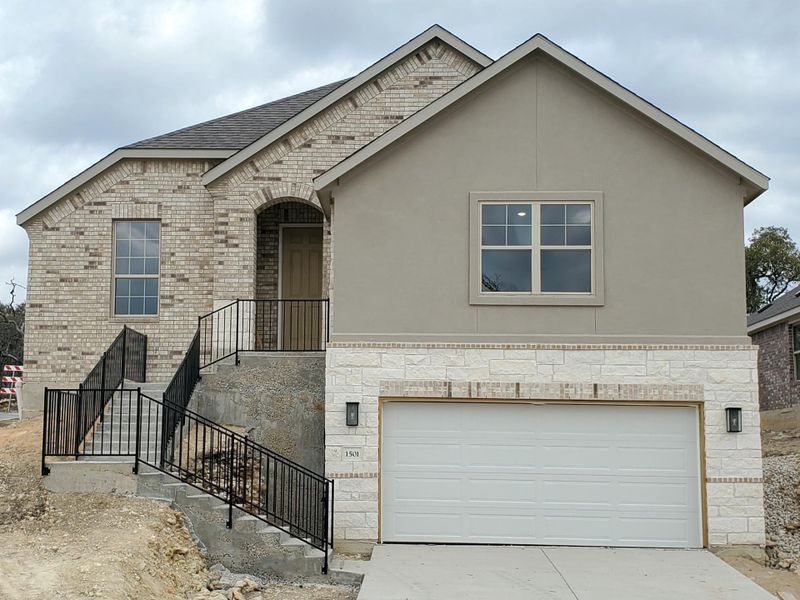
(301, 280)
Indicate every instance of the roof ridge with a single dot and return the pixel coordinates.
(332, 85)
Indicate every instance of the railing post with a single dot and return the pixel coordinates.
(78, 414)
(144, 360)
(237, 332)
(138, 429)
(124, 346)
(103, 387)
(229, 523)
(45, 469)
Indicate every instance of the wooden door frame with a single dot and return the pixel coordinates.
(281, 227)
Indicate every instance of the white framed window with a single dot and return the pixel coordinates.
(137, 268)
(796, 350)
(536, 248)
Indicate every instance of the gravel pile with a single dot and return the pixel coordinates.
(782, 510)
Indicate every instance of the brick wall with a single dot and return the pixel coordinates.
(716, 376)
(69, 312)
(777, 384)
(209, 240)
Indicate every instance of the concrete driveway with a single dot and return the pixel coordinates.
(408, 572)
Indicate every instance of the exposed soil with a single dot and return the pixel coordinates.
(70, 546)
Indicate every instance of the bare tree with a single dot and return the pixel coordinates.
(12, 326)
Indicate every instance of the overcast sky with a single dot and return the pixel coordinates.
(80, 78)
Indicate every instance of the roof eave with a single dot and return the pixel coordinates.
(758, 180)
(106, 162)
(433, 32)
(791, 314)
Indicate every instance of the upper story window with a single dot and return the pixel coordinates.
(796, 348)
(137, 250)
(536, 248)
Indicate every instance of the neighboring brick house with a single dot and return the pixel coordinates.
(527, 343)
(775, 329)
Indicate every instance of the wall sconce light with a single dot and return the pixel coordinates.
(733, 417)
(351, 414)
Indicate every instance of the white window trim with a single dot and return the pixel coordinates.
(115, 275)
(536, 297)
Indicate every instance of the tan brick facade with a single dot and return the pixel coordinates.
(210, 246)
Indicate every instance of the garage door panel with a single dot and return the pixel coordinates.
(409, 454)
(541, 474)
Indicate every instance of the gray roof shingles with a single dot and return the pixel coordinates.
(782, 304)
(236, 131)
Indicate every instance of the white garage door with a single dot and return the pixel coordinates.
(540, 474)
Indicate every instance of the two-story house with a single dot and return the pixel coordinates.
(527, 282)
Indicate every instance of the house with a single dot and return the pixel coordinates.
(514, 270)
(775, 329)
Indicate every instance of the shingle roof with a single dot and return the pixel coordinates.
(235, 131)
(782, 304)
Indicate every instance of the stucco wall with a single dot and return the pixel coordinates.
(714, 376)
(777, 382)
(673, 252)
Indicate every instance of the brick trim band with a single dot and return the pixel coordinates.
(734, 480)
(352, 475)
(405, 388)
(487, 346)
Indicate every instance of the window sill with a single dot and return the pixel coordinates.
(537, 300)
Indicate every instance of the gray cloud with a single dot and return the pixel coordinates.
(80, 79)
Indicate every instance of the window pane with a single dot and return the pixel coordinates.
(151, 306)
(519, 214)
(579, 214)
(137, 230)
(137, 266)
(137, 287)
(136, 306)
(553, 214)
(121, 306)
(519, 235)
(494, 235)
(122, 230)
(797, 338)
(566, 270)
(151, 266)
(151, 248)
(552, 235)
(579, 235)
(137, 248)
(122, 287)
(151, 230)
(506, 270)
(797, 366)
(151, 287)
(121, 266)
(494, 214)
(123, 248)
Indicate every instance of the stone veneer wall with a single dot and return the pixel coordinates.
(69, 312)
(777, 382)
(717, 376)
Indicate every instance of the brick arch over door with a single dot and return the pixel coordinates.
(270, 195)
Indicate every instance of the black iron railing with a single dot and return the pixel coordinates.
(180, 388)
(264, 326)
(195, 450)
(70, 415)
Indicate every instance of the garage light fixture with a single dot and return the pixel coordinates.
(351, 414)
(733, 417)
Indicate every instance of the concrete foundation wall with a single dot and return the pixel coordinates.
(279, 399)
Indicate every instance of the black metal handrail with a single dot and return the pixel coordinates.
(195, 450)
(271, 325)
(70, 415)
(180, 388)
